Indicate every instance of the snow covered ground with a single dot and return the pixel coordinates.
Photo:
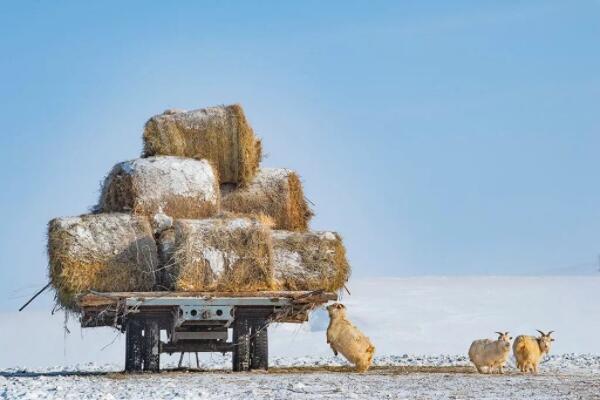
(570, 377)
(433, 317)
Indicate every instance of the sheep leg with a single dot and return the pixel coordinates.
(529, 368)
(334, 350)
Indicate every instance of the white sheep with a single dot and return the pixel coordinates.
(489, 355)
(345, 338)
(529, 350)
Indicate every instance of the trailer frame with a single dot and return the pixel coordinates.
(197, 322)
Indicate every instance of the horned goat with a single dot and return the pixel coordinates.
(529, 350)
(489, 355)
(345, 338)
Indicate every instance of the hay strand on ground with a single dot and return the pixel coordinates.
(103, 252)
(224, 254)
(309, 261)
(180, 187)
(274, 192)
(220, 134)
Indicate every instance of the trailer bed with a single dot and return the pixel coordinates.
(106, 299)
(197, 322)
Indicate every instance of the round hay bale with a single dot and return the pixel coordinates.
(274, 192)
(178, 187)
(220, 134)
(309, 261)
(225, 254)
(103, 252)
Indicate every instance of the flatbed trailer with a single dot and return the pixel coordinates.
(197, 322)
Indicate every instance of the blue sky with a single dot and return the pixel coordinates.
(438, 138)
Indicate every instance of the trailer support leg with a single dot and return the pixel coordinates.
(241, 344)
(151, 346)
(259, 344)
(133, 346)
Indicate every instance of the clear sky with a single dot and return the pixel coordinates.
(437, 137)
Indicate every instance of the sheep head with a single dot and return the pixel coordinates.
(545, 341)
(505, 338)
(336, 309)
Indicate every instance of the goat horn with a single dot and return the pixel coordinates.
(543, 334)
(499, 333)
(549, 333)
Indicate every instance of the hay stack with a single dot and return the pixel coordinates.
(225, 254)
(274, 192)
(104, 252)
(221, 135)
(180, 187)
(309, 261)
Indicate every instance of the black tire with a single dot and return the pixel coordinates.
(133, 346)
(151, 346)
(259, 345)
(241, 344)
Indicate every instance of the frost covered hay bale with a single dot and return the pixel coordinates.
(180, 187)
(103, 252)
(225, 254)
(274, 192)
(221, 135)
(309, 261)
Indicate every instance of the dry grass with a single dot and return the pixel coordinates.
(221, 135)
(219, 254)
(309, 261)
(104, 252)
(173, 206)
(273, 192)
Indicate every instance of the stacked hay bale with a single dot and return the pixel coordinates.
(179, 187)
(103, 252)
(309, 261)
(221, 135)
(195, 213)
(274, 192)
(224, 254)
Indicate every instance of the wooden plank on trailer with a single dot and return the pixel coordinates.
(100, 299)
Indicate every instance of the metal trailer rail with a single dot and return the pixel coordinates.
(197, 322)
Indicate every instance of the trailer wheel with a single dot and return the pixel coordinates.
(133, 346)
(241, 344)
(259, 345)
(151, 346)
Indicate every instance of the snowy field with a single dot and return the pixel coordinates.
(404, 377)
(433, 317)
